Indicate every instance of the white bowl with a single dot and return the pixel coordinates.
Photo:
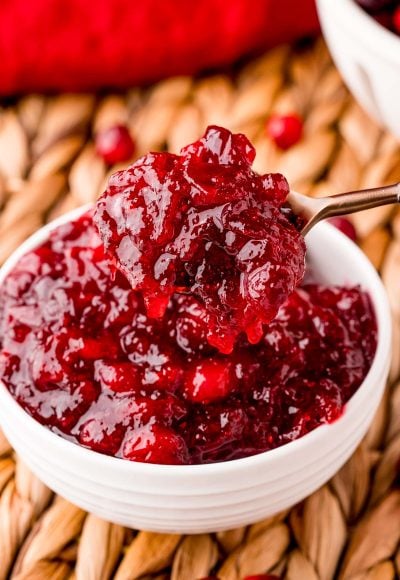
(203, 498)
(368, 57)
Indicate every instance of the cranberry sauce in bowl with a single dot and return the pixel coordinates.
(80, 354)
(84, 354)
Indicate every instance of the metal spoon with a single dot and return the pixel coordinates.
(311, 210)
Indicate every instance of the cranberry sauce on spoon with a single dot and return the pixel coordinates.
(245, 363)
(205, 221)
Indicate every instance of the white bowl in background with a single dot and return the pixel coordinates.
(204, 498)
(368, 57)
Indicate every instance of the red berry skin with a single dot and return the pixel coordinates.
(345, 226)
(100, 436)
(285, 130)
(189, 326)
(155, 444)
(396, 20)
(115, 144)
(208, 381)
(119, 376)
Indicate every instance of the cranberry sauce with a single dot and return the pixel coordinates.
(80, 354)
(204, 221)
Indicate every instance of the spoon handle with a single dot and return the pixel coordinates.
(354, 201)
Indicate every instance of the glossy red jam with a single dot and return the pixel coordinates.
(80, 354)
(204, 221)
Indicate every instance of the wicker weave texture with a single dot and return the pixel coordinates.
(350, 528)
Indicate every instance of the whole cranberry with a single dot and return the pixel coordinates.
(188, 326)
(117, 376)
(115, 144)
(345, 226)
(208, 381)
(155, 444)
(101, 436)
(285, 130)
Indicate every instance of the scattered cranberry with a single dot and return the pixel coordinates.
(285, 130)
(345, 226)
(155, 390)
(115, 144)
(205, 221)
(396, 20)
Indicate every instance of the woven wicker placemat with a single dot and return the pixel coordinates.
(350, 528)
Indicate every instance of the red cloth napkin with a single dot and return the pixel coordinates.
(84, 44)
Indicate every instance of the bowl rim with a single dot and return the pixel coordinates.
(387, 41)
(378, 369)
